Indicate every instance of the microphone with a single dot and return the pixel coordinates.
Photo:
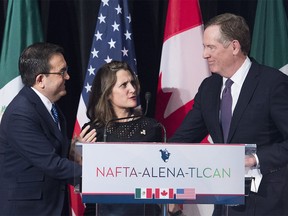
(164, 132)
(147, 98)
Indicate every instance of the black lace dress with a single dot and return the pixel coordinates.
(139, 130)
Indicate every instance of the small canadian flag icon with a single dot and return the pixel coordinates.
(164, 193)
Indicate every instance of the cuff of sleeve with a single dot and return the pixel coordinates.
(257, 161)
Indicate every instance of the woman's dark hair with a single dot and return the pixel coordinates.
(100, 109)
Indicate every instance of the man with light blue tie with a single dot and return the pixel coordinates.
(34, 149)
(242, 102)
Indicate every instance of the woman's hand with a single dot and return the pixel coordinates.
(87, 137)
(83, 138)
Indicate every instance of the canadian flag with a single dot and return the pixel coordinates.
(182, 67)
(164, 193)
(182, 70)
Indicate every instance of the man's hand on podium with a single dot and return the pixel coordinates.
(175, 210)
(250, 161)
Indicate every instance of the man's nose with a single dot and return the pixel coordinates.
(205, 54)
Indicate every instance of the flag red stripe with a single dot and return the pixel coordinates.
(77, 207)
(171, 193)
(149, 193)
(77, 128)
(76, 202)
(181, 16)
(157, 193)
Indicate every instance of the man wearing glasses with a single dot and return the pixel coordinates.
(34, 165)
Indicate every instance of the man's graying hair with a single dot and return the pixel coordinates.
(232, 27)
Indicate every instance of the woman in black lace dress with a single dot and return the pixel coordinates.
(114, 95)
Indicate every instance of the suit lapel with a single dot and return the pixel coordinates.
(246, 93)
(65, 144)
(43, 112)
(214, 104)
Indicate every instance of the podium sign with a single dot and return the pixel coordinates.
(163, 173)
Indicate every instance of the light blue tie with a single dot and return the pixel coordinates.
(55, 114)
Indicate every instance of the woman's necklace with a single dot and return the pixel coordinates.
(129, 118)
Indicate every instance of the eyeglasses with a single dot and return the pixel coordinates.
(62, 73)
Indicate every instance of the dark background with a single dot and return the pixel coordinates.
(71, 24)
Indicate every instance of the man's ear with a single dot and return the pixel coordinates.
(39, 81)
(236, 47)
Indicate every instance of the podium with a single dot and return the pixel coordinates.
(163, 173)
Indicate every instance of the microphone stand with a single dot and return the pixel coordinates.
(164, 132)
(164, 207)
(147, 98)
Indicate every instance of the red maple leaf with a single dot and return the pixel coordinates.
(173, 121)
(164, 193)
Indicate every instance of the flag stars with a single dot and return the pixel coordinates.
(112, 43)
(124, 51)
(88, 87)
(118, 9)
(115, 26)
(129, 18)
(91, 70)
(95, 53)
(105, 2)
(127, 35)
(102, 18)
(112, 39)
(108, 59)
(98, 36)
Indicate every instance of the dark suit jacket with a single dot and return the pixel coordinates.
(260, 117)
(34, 169)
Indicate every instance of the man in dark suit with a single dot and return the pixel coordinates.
(259, 111)
(34, 165)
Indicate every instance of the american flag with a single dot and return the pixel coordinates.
(185, 193)
(113, 40)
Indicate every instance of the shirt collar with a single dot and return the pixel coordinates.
(47, 103)
(240, 75)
